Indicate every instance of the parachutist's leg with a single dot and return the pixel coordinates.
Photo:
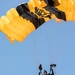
(59, 14)
(52, 72)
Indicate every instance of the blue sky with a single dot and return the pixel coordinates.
(51, 43)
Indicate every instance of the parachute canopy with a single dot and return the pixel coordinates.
(19, 22)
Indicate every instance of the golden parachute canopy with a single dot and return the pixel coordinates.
(19, 22)
(67, 6)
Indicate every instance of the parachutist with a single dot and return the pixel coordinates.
(45, 72)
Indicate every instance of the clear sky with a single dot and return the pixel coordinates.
(51, 43)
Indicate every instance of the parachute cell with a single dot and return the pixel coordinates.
(67, 6)
(14, 26)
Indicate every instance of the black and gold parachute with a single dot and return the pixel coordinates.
(19, 22)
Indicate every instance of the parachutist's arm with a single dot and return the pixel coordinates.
(52, 71)
(40, 73)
